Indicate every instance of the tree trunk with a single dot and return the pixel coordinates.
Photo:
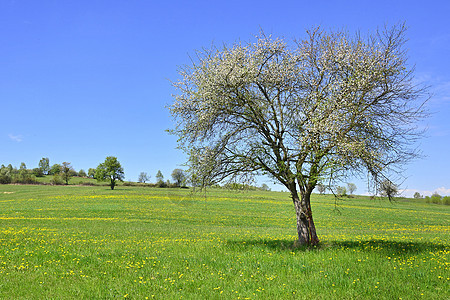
(314, 240)
(305, 224)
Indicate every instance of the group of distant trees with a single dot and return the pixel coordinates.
(181, 179)
(385, 189)
(61, 172)
(110, 170)
(245, 187)
(178, 175)
(340, 191)
(10, 174)
(435, 198)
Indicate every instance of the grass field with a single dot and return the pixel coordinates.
(47, 179)
(67, 242)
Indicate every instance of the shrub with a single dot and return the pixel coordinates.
(161, 184)
(239, 186)
(56, 180)
(446, 200)
(5, 179)
(436, 198)
(5, 175)
(172, 185)
(37, 172)
(23, 177)
(55, 169)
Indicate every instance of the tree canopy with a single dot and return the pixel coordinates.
(110, 170)
(179, 177)
(143, 177)
(351, 187)
(44, 165)
(159, 177)
(330, 105)
(67, 171)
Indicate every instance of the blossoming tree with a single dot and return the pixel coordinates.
(327, 106)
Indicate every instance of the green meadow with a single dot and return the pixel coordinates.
(89, 242)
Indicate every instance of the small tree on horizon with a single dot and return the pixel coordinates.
(44, 165)
(265, 187)
(341, 191)
(351, 187)
(178, 176)
(91, 172)
(143, 177)
(321, 188)
(110, 170)
(66, 171)
(159, 177)
(23, 173)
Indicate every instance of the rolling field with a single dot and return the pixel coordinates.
(73, 242)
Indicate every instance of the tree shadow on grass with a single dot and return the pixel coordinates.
(380, 246)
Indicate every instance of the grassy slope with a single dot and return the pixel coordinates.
(72, 181)
(91, 242)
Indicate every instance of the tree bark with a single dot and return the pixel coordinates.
(306, 229)
(314, 240)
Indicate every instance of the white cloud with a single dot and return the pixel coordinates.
(443, 191)
(410, 192)
(15, 138)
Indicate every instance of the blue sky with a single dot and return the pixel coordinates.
(82, 80)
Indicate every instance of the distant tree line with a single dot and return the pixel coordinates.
(182, 179)
(339, 191)
(435, 198)
(386, 188)
(61, 173)
(112, 172)
(10, 174)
